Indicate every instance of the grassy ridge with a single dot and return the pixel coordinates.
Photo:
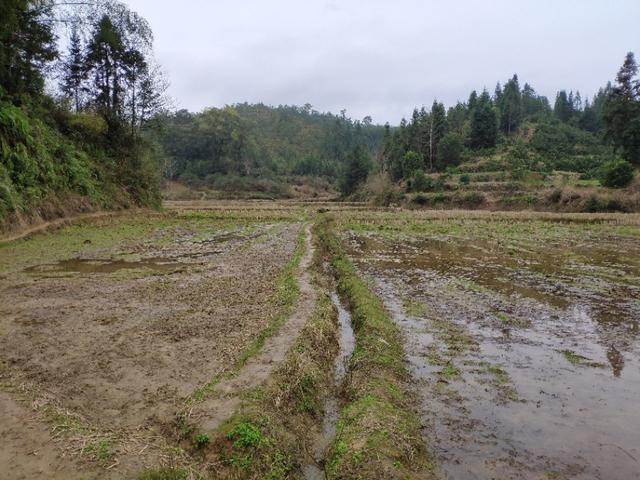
(378, 432)
(272, 435)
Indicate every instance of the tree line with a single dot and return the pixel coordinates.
(261, 140)
(572, 134)
(77, 85)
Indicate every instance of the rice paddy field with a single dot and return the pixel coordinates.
(322, 340)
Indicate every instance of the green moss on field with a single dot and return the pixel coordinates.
(577, 359)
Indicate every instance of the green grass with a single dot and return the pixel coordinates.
(274, 430)
(99, 450)
(377, 433)
(511, 321)
(580, 360)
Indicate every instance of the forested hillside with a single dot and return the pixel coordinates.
(259, 147)
(80, 147)
(514, 149)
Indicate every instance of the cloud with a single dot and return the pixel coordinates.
(383, 58)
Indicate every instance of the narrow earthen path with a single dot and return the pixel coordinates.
(227, 393)
(24, 232)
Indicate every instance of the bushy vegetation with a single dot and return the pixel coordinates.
(84, 145)
(521, 136)
(258, 141)
(616, 174)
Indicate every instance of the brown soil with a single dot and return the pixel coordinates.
(227, 394)
(29, 448)
(108, 354)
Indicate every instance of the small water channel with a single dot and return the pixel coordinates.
(315, 471)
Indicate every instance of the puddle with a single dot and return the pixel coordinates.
(87, 266)
(331, 408)
(527, 367)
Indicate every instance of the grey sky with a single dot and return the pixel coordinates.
(382, 58)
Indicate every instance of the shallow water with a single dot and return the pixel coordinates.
(331, 408)
(85, 266)
(528, 365)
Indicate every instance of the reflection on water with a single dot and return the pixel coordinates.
(85, 266)
(540, 324)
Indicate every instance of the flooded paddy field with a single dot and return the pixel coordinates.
(208, 341)
(108, 326)
(522, 334)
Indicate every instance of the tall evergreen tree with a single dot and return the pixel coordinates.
(358, 164)
(105, 57)
(510, 105)
(484, 123)
(27, 43)
(437, 130)
(563, 108)
(75, 71)
(622, 111)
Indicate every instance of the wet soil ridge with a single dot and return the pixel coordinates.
(226, 395)
(346, 340)
(378, 432)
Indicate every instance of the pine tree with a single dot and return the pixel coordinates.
(27, 43)
(484, 123)
(622, 111)
(563, 109)
(437, 130)
(473, 100)
(74, 72)
(510, 105)
(357, 168)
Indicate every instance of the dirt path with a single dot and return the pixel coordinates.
(227, 395)
(61, 222)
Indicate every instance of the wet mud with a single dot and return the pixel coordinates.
(107, 328)
(331, 408)
(526, 354)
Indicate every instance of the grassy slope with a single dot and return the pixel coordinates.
(51, 168)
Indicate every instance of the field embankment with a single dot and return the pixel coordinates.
(378, 434)
(57, 164)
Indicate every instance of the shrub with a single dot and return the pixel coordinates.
(200, 441)
(450, 151)
(421, 182)
(472, 199)
(420, 199)
(465, 179)
(616, 174)
(555, 196)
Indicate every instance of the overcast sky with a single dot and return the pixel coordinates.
(383, 58)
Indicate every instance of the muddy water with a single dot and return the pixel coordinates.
(83, 266)
(315, 471)
(528, 365)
